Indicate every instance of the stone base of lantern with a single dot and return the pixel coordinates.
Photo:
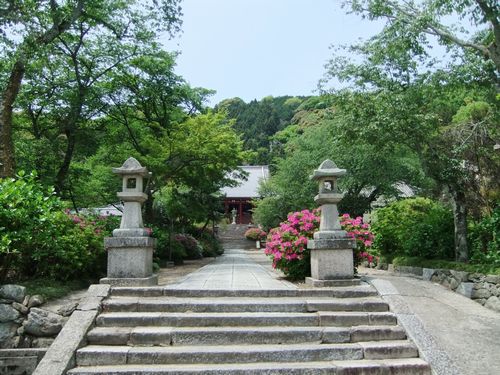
(332, 264)
(331, 258)
(331, 283)
(130, 261)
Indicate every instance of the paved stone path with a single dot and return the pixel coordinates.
(456, 335)
(233, 270)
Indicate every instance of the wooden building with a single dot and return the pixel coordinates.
(241, 196)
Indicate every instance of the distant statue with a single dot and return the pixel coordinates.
(233, 214)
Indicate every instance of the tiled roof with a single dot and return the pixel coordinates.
(248, 188)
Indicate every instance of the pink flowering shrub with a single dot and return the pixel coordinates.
(360, 231)
(287, 244)
(366, 256)
(255, 234)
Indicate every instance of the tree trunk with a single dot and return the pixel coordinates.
(64, 168)
(460, 221)
(7, 161)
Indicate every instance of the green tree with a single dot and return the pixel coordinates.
(409, 23)
(372, 171)
(394, 100)
(258, 121)
(33, 28)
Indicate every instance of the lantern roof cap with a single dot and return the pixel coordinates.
(328, 169)
(131, 166)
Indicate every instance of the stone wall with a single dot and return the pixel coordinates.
(20, 361)
(483, 289)
(23, 324)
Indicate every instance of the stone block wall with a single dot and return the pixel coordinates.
(20, 361)
(483, 289)
(22, 323)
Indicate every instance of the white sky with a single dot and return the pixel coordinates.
(255, 48)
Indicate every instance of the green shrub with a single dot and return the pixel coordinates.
(416, 227)
(210, 244)
(484, 240)
(38, 239)
(190, 245)
(167, 250)
(53, 289)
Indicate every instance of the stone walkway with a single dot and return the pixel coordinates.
(456, 335)
(236, 269)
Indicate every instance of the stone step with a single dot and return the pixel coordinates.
(245, 304)
(120, 355)
(327, 318)
(163, 336)
(231, 243)
(363, 290)
(406, 366)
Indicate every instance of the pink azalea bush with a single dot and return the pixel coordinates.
(255, 234)
(360, 231)
(287, 244)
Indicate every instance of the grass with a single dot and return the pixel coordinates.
(487, 269)
(53, 289)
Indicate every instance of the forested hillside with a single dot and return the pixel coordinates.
(258, 121)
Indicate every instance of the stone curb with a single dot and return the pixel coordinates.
(60, 357)
(429, 349)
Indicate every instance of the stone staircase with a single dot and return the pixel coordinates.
(233, 237)
(162, 330)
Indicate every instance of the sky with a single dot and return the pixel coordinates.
(255, 48)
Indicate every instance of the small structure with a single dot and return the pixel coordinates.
(331, 248)
(240, 197)
(130, 250)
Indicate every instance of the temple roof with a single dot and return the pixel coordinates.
(248, 188)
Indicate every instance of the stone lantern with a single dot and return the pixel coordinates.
(133, 197)
(331, 248)
(130, 250)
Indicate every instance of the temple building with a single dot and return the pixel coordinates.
(240, 197)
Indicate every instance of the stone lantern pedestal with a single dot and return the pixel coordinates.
(130, 250)
(331, 248)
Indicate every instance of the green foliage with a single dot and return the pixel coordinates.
(64, 53)
(485, 240)
(445, 114)
(416, 227)
(409, 26)
(190, 245)
(167, 250)
(373, 170)
(485, 268)
(39, 239)
(53, 289)
(210, 244)
(258, 121)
